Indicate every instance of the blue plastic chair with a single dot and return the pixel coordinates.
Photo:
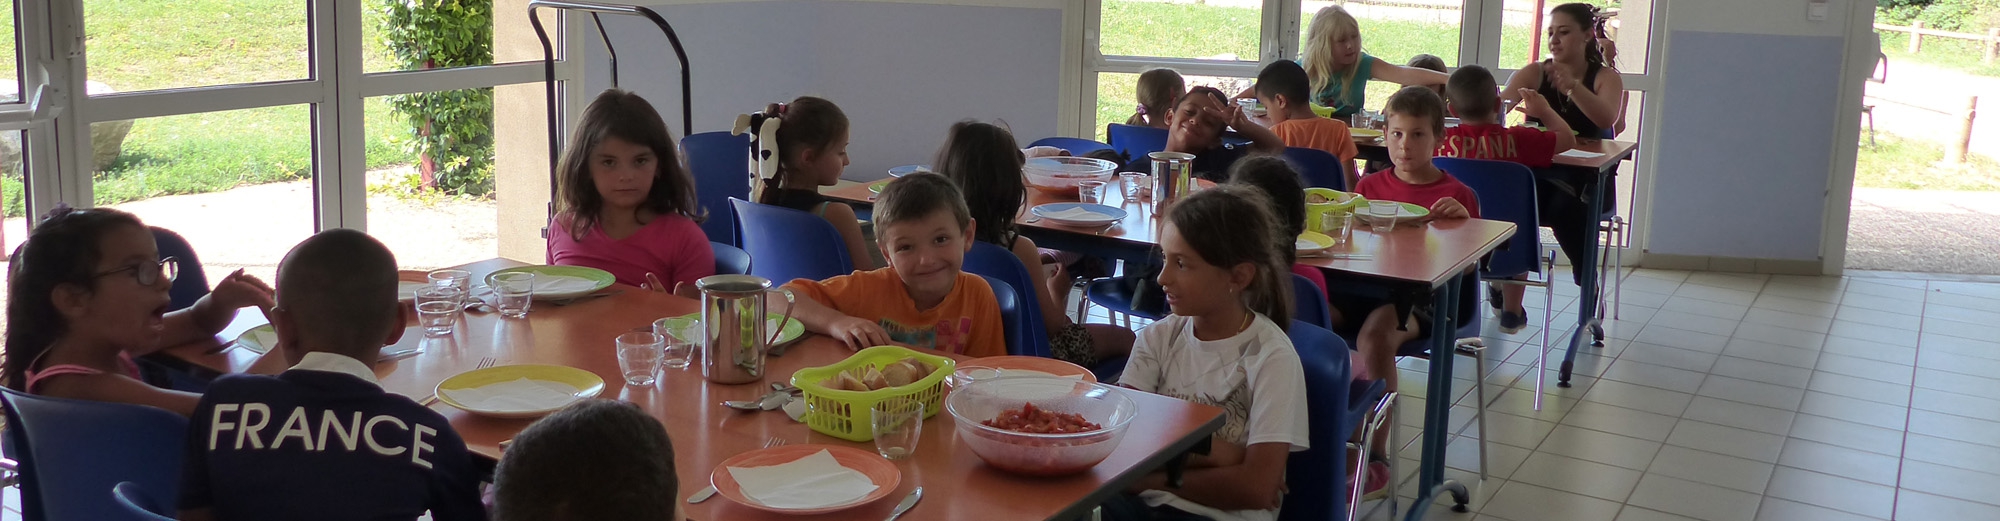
(720, 163)
(995, 262)
(140, 505)
(72, 452)
(1507, 193)
(1317, 168)
(1114, 294)
(789, 243)
(1317, 476)
(1468, 344)
(1075, 145)
(192, 283)
(1010, 311)
(1309, 303)
(730, 260)
(1135, 142)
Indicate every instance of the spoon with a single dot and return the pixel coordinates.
(769, 402)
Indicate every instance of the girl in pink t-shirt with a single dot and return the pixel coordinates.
(626, 205)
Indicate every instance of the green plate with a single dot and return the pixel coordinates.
(259, 339)
(598, 279)
(876, 187)
(794, 329)
(1408, 208)
(586, 384)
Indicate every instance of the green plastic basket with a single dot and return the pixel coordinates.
(844, 414)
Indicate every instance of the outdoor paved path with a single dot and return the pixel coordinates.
(1924, 102)
(1924, 231)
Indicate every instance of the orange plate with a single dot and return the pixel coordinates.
(880, 471)
(1030, 363)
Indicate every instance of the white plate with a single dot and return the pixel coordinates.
(1079, 214)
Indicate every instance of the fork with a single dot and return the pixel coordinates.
(708, 492)
(484, 362)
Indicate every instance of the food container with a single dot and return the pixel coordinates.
(1060, 174)
(1339, 201)
(844, 414)
(1040, 454)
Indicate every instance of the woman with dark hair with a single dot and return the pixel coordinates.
(1580, 84)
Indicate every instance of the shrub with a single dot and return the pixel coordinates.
(451, 132)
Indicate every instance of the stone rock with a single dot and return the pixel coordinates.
(107, 138)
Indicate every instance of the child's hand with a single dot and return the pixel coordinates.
(685, 290)
(857, 333)
(1562, 81)
(1533, 104)
(653, 284)
(1448, 208)
(241, 290)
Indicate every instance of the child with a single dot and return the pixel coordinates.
(1281, 185)
(1224, 345)
(322, 440)
(1415, 120)
(1481, 135)
(982, 160)
(1340, 71)
(812, 149)
(87, 292)
(922, 299)
(598, 459)
(1158, 88)
(626, 204)
(1282, 87)
(1430, 62)
(1197, 123)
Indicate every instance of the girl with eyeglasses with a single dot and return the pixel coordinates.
(87, 292)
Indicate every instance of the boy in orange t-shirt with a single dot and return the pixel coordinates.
(922, 299)
(1283, 89)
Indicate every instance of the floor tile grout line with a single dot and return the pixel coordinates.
(1909, 413)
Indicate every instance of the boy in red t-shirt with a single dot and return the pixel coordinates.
(1481, 134)
(1416, 121)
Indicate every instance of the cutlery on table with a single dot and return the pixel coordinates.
(908, 502)
(709, 491)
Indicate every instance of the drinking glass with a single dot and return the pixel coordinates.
(1135, 185)
(682, 334)
(1339, 224)
(437, 309)
(1090, 192)
(639, 356)
(1382, 215)
(516, 293)
(898, 424)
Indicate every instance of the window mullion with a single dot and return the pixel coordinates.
(340, 179)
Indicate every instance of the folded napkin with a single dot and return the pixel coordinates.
(1579, 154)
(545, 284)
(1077, 214)
(813, 481)
(519, 395)
(261, 339)
(1302, 244)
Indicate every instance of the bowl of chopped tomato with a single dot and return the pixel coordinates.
(1040, 426)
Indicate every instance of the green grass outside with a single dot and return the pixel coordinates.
(1898, 162)
(144, 44)
(1951, 53)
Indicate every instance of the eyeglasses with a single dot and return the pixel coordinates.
(168, 268)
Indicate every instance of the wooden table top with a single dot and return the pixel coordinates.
(957, 485)
(1432, 253)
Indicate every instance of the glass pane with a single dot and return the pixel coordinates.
(148, 44)
(398, 35)
(1217, 30)
(10, 87)
(1627, 24)
(440, 212)
(13, 190)
(1118, 99)
(237, 184)
(1396, 32)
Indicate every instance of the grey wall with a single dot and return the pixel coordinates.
(903, 72)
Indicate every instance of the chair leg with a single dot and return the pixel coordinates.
(1369, 425)
(1618, 267)
(1475, 348)
(1548, 313)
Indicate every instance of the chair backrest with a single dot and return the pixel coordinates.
(1317, 168)
(1010, 311)
(993, 261)
(139, 503)
(1506, 193)
(1317, 476)
(1075, 145)
(1135, 142)
(72, 452)
(720, 164)
(192, 283)
(730, 260)
(789, 244)
(1309, 303)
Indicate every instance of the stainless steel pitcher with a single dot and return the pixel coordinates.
(732, 319)
(1173, 177)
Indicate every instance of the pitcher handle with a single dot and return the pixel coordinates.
(775, 335)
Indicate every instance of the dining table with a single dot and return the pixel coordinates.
(1410, 263)
(957, 484)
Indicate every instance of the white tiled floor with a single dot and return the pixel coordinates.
(1742, 397)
